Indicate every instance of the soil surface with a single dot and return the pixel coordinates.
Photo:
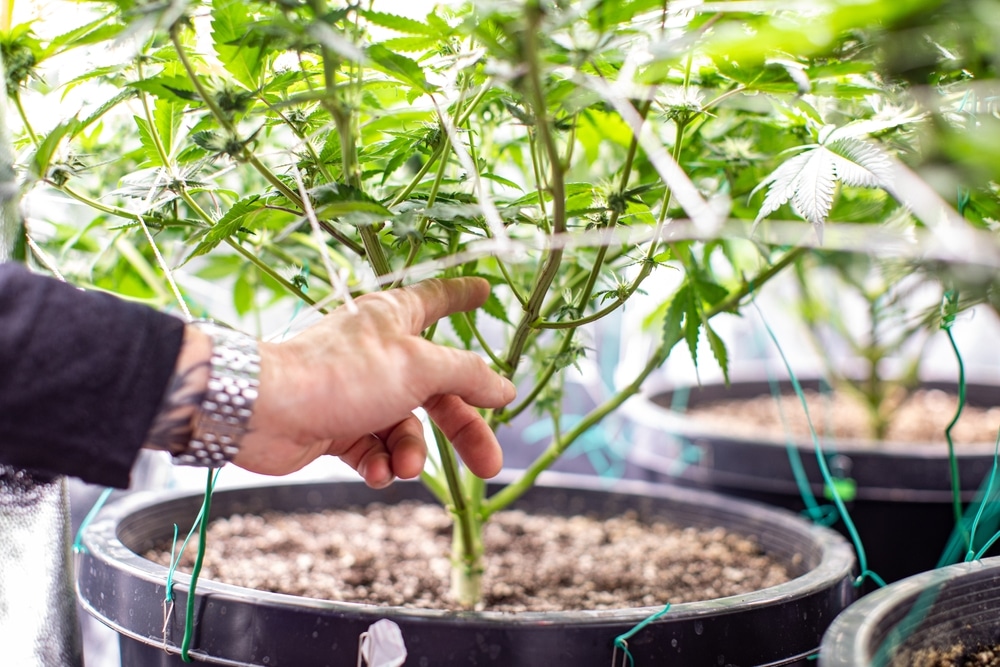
(956, 656)
(399, 555)
(922, 418)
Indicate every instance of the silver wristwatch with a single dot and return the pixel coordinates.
(224, 415)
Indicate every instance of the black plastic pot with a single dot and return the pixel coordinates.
(902, 505)
(781, 625)
(932, 610)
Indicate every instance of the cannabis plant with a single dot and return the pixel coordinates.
(868, 322)
(304, 151)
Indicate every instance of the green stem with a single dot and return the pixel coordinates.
(24, 117)
(556, 185)
(436, 487)
(466, 576)
(539, 386)
(510, 283)
(277, 277)
(572, 325)
(151, 124)
(93, 203)
(340, 238)
(415, 181)
(416, 243)
(668, 194)
(539, 180)
(343, 120)
(325, 224)
(466, 552)
(603, 250)
(251, 257)
(301, 136)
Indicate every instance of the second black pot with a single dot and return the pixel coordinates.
(902, 503)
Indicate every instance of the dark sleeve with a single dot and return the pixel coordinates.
(82, 375)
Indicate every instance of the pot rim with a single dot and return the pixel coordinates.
(645, 411)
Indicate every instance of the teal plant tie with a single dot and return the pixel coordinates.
(679, 399)
(982, 516)
(987, 494)
(78, 547)
(824, 515)
(621, 641)
(949, 309)
(834, 492)
(962, 200)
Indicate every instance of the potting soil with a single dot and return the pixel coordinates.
(400, 555)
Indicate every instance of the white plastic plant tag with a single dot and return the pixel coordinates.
(382, 645)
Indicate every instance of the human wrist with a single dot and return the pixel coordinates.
(208, 402)
(173, 424)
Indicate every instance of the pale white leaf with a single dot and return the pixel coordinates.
(816, 184)
(862, 128)
(782, 183)
(809, 180)
(861, 164)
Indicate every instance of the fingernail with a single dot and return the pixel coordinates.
(382, 482)
(509, 389)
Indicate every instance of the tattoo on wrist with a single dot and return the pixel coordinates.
(174, 422)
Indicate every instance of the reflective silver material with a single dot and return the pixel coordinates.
(38, 624)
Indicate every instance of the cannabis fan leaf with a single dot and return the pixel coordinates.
(809, 179)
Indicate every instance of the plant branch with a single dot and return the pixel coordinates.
(516, 489)
(24, 116)
(550, 266)
(415, 181)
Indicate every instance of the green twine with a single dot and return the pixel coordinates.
(824, 468)
(817, 513)
(982, 505)
(981, 514)
(201, 525)
(621, 641)
(963, 198)
(78, 547)
(949, 308)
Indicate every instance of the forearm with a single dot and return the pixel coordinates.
(83, 374)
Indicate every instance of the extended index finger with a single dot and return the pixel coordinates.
(426, 302)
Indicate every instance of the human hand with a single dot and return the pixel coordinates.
(348, 385)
